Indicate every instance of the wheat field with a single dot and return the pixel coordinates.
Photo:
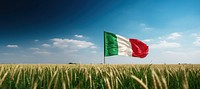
(80, 76)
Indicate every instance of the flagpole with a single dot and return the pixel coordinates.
(104, 59)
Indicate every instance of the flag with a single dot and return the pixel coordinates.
(117, 45)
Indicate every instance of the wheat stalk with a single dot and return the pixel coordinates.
(4, 76)
(107, 83)
(157, 79)
(139, 82)
(185, 81)
(49, 86)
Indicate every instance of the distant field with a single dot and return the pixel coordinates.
(13, 76)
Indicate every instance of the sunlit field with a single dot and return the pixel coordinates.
(76, 76)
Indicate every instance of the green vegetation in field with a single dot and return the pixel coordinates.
(99, 76)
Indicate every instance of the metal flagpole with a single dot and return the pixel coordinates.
(104, 61)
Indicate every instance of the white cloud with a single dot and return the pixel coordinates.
(12, 46)
(39, 51)
(197, 41)
(183, 56)
(71, 43)
(46, 45)
(42, 52)
(194, 52)
(160, 38)
(79, 36)
(142, 24)
(93, 47)
(147, 40)
(8, 54)
(93, 51)
(147, 28)
(174, 36)
(144, 27)
(34, 49)
(195, 34)
(165, 44)
(36, 40)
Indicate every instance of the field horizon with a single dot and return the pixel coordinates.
(100, 76)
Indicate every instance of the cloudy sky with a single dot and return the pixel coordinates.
(63, 31)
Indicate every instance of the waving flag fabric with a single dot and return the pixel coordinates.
(117, 45)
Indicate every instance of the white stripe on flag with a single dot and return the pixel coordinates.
(124, 46)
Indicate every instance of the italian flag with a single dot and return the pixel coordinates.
(117, 45)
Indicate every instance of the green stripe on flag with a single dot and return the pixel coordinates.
(111, 45)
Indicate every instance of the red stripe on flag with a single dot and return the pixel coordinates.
(139, 48)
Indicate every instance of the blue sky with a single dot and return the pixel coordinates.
(51, 31)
